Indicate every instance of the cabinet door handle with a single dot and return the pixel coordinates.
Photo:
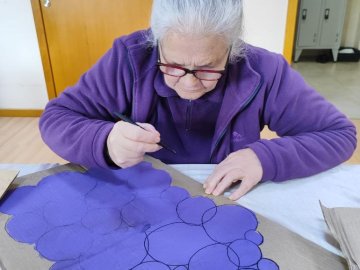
(304, 13)
(47, 3)
(327, 13)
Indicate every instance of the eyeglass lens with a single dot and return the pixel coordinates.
(200, 74)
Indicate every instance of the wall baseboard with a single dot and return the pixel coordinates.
(20, 113)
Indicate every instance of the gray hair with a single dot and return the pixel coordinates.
(199, 17)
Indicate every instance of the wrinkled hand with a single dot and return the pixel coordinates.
(241, 165)
(127, 143)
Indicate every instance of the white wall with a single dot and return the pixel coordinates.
(351, 32)
(265, 23)
(22, 83)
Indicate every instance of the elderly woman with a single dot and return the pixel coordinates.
(191, 82)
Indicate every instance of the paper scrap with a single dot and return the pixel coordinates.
(6, 178)
(344, 224)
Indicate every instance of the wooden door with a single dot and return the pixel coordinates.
(78, 32)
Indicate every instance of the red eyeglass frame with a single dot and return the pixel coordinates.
(192, 71)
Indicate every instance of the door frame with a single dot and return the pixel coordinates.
(44, 49)
(45, 55)
(290, 29)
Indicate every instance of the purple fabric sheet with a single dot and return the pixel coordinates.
(131, 219)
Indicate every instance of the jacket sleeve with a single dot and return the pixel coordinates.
(314, 135)
(76, 124)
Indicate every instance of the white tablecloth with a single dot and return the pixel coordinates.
(295, 203)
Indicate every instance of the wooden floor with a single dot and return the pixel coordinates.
(20, 142)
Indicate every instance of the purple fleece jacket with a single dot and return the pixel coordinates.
(261, 89)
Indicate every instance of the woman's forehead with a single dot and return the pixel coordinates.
(180, 46)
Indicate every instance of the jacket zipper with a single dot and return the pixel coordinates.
(188, 116)
(240, 110)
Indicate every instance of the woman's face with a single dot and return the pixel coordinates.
(190, 52)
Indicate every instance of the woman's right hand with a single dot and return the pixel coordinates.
(127, 143)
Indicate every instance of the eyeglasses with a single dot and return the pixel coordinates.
(201, 74)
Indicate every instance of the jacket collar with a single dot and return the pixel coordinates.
(242, 86)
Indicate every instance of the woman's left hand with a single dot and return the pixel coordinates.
(241, 165)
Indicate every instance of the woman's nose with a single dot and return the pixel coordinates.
(189, 80)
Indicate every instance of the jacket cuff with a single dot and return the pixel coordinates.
(99, 147)
(108, 159)
(266, 158)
